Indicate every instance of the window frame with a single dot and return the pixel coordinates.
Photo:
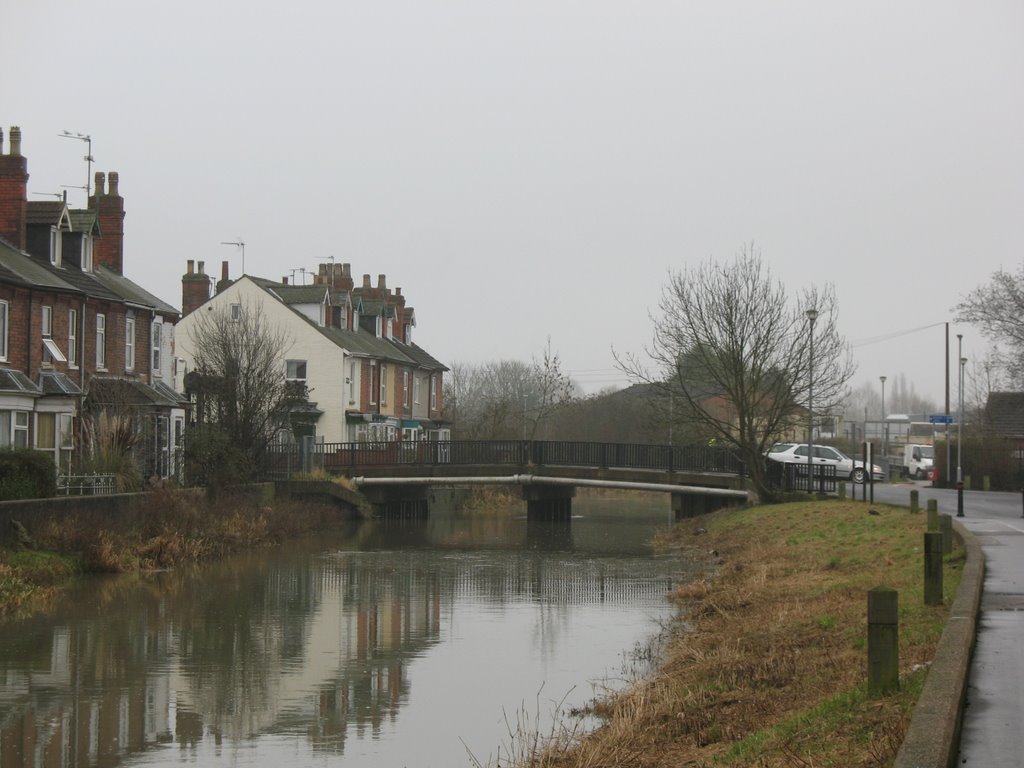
(288, 369)
(156, 346)
(86, 253)
(55, 245)
(129, 344)
(101, 341)
(5, 321)
(72, 338)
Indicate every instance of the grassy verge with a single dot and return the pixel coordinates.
(176, 529)
(768, 664)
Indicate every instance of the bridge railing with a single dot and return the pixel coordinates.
(341, 457)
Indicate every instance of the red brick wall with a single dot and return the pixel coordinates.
(109, 248)
(13, 198)
(17, 326)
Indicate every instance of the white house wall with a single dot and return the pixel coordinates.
(325, 361)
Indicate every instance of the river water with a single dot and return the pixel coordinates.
(397, 643)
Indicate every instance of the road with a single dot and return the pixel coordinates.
(992, 735)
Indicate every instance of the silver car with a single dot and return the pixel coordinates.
(796, 453)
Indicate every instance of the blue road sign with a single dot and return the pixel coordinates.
(940, 418)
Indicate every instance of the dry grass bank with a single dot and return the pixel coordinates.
(177, 529)
(768, 664)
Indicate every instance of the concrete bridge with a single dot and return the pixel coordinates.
(396, 476)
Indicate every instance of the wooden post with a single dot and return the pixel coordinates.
(933, 518)
(883, 641)
(842, 490)
(933, 567)
(915, 505)
(946, 527)
(933, 505)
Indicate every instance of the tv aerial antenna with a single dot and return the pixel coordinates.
(240, 244)
(88, 160)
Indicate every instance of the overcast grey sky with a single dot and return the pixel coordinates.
(535, 168)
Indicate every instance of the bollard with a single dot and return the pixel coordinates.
(959, 499)
(842, 490)
(883, 641)
(933, 519)
(933, 543)
(946, 529)
(915, 501)
(933, 505)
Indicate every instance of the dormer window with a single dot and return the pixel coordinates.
(86, 253)
(55, 245)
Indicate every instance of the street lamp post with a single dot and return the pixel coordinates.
(959, 429)
(812, 315)
(885, 424)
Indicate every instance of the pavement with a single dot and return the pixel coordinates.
(971, 712)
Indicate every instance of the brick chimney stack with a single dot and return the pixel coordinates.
(225, 280)
(195, 288)
(109, 206)
(13, 191)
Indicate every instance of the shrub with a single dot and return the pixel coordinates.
(213, 460)
(26, 474)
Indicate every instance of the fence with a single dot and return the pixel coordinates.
(339, 457)
(794, 477)
(86, 485)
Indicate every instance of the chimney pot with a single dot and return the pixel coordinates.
(113, 178)
(366, 281)
(381, 283)
(15, 141)
(100, 183)
(202, 266)
(1, 141)
(223, 270)
(284, 280)
(191, 265)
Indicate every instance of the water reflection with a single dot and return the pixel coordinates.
(289, 657)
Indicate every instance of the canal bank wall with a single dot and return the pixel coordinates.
(933, 736)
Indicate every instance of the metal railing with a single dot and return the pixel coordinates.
(794, 477)
(342, 457)
(86, 485)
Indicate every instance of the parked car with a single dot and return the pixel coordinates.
(796, 453)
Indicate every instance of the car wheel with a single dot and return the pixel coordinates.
(858, 475)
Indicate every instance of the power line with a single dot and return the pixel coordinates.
(893, 335)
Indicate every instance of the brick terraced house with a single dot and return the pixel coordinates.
(77, 338)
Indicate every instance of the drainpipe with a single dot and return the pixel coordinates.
(80, 341)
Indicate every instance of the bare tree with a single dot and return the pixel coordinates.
(549, 390)
(732, 355)
(239, 378)
(997, 308)
(507, 399)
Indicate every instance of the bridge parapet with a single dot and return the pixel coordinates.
(349, 457)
